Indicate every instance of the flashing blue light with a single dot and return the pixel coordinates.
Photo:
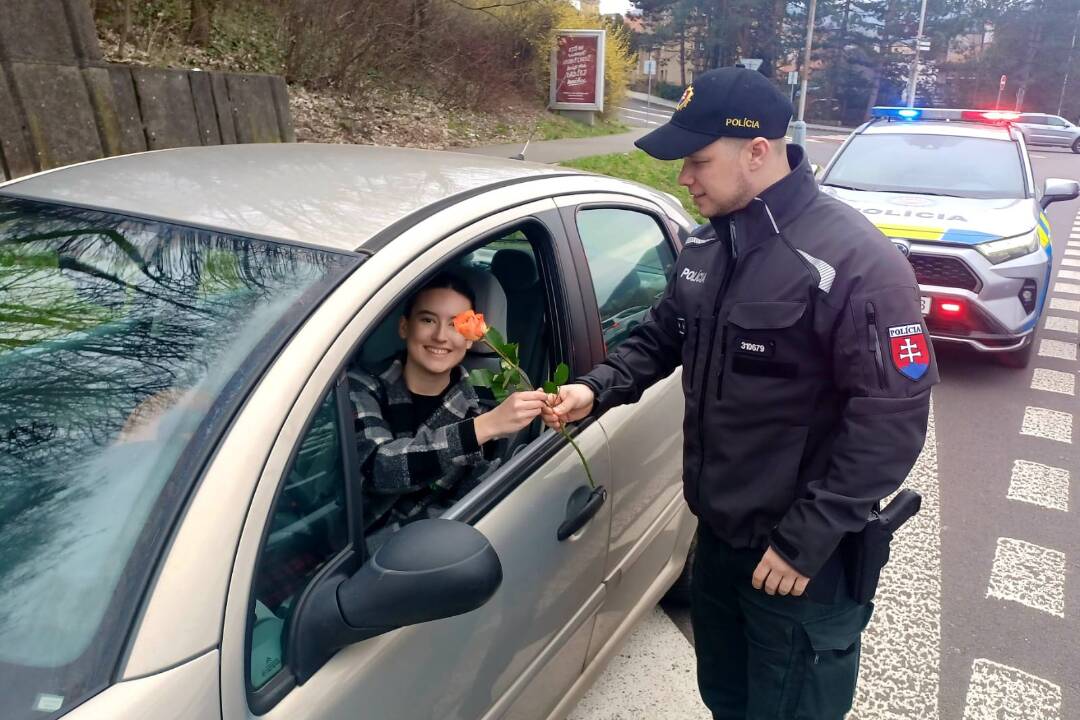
(909, 114)
(897, 113)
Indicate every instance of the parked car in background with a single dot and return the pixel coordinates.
(1039, 129)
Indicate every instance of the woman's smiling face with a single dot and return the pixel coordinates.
(431, 341)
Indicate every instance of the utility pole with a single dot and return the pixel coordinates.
(913, 80)
(798, 136)
(1068, 65)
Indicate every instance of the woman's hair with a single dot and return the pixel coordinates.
(442, 281)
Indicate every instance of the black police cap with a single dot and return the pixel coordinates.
(726, 102)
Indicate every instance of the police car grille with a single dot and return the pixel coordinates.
(943, 271)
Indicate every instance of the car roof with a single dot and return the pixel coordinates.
(334, 196)
(928, 127)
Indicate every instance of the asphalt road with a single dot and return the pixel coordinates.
(977, 617)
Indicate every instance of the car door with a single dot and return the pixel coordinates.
(1058, 131)
(1036, 129)
(513, 657)
(627, 257)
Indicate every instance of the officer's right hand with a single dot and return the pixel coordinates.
(571, 404)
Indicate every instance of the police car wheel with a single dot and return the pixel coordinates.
(1076, 146)
(679, 593)
(1018, 358)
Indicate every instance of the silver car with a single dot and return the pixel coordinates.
(1041, 129)
(956, 194)
(181, 525)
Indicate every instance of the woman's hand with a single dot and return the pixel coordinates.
(513, 414)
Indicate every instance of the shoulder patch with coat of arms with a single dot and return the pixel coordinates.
(910, 355)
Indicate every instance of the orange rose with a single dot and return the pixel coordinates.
(471, 325)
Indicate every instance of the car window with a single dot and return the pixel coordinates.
(1056, 121)
(308, 527)
(414, 463)
(630, 260)
(930, 164)
(1033, 119)
(123, 345)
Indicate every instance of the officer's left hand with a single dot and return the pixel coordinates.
(777, 577)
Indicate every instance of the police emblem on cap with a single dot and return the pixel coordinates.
(687, 96)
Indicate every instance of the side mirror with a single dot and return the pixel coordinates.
(1056, 190)
(429, 570)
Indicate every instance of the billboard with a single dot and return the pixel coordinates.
(577, 70)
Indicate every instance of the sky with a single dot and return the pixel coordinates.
(614, 6)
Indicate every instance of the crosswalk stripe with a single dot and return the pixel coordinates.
(1068, 288)
(1028, 574)
(1070, 262)
(1057, 349)
(1063, 304)
(1054, 381)
(1072, 251)
(999, 691)
(1047, 424)
(1069, 275)
(901, 656)
(1039, 484)
(1070, 326)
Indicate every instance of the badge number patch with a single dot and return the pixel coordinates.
(910, 354)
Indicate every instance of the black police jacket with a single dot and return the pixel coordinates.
(806, 369)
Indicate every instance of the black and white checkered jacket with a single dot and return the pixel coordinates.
(403, 472)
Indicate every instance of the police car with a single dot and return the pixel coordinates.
(954, 191)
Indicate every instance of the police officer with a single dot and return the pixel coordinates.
(806, 369)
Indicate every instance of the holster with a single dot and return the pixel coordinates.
(865, 553)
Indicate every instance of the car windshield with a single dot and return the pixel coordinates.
(930, 164)
(123, 344)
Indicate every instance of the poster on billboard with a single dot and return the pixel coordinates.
(577, 70)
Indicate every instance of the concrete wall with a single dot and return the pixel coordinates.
(60, 103)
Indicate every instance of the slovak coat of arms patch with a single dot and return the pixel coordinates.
(910, 354)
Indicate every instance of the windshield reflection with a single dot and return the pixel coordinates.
(117, 337)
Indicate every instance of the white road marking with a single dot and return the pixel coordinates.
(653, 676)
(1068, 275)
(1071, 252)
(1070, 262)
(1061, 324)
(1041, 157)
(1000, 692)
(1030, 575)
(1054, 381)
(1047, 424)
(1067, 288)
(1066, 305)
(1057, 349)
(901, 650)
(1040, 485)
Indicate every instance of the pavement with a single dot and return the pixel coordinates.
(977, 616)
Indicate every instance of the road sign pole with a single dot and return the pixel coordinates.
(1068, 65)
(913, 81)
(1001, 88)
(798, 135)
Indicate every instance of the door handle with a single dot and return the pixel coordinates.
(576, 519)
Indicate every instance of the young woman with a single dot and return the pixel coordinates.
(421, 427)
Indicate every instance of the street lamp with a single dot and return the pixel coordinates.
(915, 66)
(798, 136)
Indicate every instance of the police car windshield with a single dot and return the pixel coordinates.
(122, 342)
(930, 165)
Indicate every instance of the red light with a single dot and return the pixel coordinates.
(993, 116)
(950, 308)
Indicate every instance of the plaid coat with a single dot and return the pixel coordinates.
(404, 473)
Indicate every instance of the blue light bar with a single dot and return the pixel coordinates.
(906, 113)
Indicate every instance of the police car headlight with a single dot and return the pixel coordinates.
(998, 251)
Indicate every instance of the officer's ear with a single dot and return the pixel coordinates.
(758, 150)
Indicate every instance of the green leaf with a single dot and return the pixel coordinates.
(481, 378)
(551, 388)
(494, 338)
(562, 374)
(511, 351)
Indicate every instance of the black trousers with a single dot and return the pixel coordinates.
(769, 657)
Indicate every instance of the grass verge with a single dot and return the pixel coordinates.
(557, 127)
(639, 167)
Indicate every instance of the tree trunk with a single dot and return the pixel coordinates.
(200, 16)
(883, 56)
(125, 31)
(1029, 56)
(682, 55)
